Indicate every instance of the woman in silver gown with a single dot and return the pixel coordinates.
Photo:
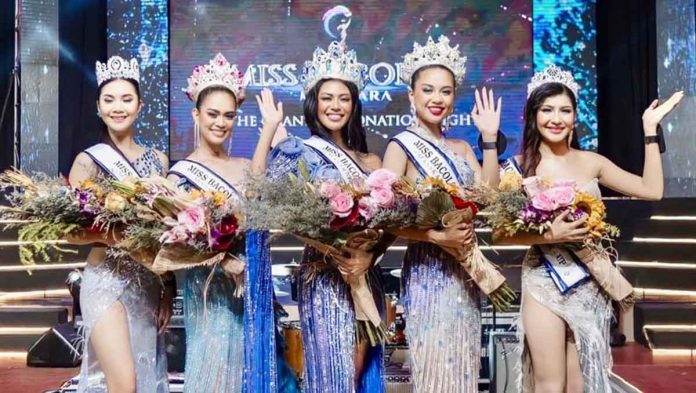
(565, 337)
(124, 306)
(441, 303)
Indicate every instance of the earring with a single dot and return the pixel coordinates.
(98, 113)
(447, 123)
(414, 122)
(570, 138)
(196, 136)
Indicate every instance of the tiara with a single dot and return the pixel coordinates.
(336, 63)
(432, 53)
(553, 74)
(117, 67)
(218, 72)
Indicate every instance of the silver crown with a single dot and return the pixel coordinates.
(218, 72)
(117, 67)
(336, 63)
(553, 74)
(432, 53)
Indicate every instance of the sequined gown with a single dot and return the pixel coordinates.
(138, 290)
(325, 304)
(587, 311)
(442, 314)
(214, 323)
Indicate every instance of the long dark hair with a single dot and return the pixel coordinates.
(531, 137)
(353, 133)
(104, 136)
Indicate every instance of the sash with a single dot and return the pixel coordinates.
(204, 178)
(112, 161)
(428, 159)
(344, 163)
(564, 267)
(510, 166)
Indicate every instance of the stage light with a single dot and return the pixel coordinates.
(673, 218)
(664, 240)
(16, 330)
(35, 294)
(672, 295)
(657, 265)
(49, 266)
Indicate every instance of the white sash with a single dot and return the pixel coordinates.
(204, 178)
(510, 165)
(429, 159)
(345, 164)
(112, 161)
(563, 267)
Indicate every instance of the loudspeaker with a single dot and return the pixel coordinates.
(58, 347)
(503, 362)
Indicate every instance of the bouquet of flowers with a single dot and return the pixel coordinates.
(46, 210)
(169, 229)
(444, 205)
(328, 215)
(532, 204)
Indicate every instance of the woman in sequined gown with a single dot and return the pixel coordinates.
(213, 300)
(565, 338)
(334, 360)
(441, 303)
(123, 304)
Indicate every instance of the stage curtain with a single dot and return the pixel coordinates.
(626, 78)
(6, 63)
(83, 39)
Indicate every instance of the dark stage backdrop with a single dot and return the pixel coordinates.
(6, 63)
(270, 40)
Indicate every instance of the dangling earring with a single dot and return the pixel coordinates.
(196, 136)
(447, 123)
(570, 137)
(414, 121)
(98, 113)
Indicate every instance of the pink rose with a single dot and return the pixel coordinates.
(554, 198)
(383, 197)
(176, 234)
(367, 208)
(192, 218)
(562, 196)
(329, 189)
(342, 204)
(533, 186)
(381, 178)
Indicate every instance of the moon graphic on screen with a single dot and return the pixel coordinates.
(338, 11)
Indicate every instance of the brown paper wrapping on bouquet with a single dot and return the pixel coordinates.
(606, 274)
(363, 302)
(171, 258)
(484, 272)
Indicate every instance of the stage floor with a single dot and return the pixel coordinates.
(634, 363)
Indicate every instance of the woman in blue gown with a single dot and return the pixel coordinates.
(213, 297)
(335, 359)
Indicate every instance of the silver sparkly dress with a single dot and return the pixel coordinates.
(587, 311)
(138, 290)
(442, 313)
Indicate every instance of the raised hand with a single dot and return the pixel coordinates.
(271, 114)
(356, 263)
(654, 114)
(486, 114)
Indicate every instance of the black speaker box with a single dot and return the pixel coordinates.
(58, 347)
